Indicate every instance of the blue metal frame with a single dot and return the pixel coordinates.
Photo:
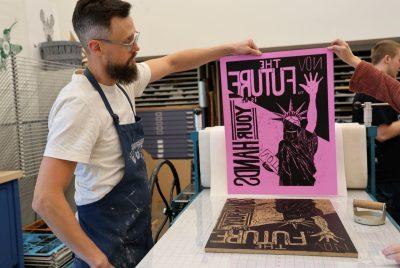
(18, 223)
(11, 222)
(196, 174)
(195, 138)
(387, 214)
(371, 135)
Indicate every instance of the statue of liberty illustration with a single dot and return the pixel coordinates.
(305, 213)
(297, 148)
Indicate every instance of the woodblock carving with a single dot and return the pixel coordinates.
(281, 226)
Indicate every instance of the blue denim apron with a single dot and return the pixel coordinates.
(120, 222)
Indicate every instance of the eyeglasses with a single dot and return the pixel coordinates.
(129, 46)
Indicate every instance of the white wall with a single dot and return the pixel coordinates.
(14, 10)
(65, 9)
(28, 32)
(171, 25)
(35, 25)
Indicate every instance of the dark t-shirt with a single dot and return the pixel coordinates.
(388, 152)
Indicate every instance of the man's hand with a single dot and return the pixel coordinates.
(343, 51)
(392, 252)
(245, 47)
(102, 263)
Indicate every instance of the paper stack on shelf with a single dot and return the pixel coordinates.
(45, 250)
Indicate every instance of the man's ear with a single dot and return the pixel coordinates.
(94, 47)
(387, 59)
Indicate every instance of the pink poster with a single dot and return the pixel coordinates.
(279, 123)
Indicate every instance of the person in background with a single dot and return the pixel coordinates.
(369, 80)
(385, 56)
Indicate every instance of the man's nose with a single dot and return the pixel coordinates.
(135, 48)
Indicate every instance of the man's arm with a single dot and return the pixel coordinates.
(50, 203)
(193, 58)
(388, 131)
(367, 78)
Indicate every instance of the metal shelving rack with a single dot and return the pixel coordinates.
(343, 96)
(175, 89)
(28, 89)
(164, 105)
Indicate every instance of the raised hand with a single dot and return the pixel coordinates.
(327, 235)
(325, 232)
(312, 84)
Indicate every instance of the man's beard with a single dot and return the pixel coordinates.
(123, 73)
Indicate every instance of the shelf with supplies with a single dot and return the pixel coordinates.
(167, 136)
(166, 107)
(167, 131)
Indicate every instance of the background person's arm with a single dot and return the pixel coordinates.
(388, 131)
(367, 79)
(50, 203)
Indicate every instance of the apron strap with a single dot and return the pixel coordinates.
(126, 95)
(96, 85)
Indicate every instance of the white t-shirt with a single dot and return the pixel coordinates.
(82, 130)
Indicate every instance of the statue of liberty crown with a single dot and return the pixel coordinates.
(294, 116)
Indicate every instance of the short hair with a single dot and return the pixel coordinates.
(383, 48)
(92, 18)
